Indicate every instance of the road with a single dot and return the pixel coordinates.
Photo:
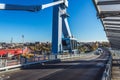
(64, 70)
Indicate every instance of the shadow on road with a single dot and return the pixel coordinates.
(78, 64)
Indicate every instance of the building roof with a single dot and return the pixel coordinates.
(14, 51)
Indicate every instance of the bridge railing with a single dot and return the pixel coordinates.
(108, 70)
(75, 55)
(6, 64)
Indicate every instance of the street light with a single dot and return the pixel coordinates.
(22, 46)
(22, 43)
(23, 39)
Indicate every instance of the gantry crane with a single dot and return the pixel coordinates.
(60, 24)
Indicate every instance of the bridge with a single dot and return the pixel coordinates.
(79, 68)
(89, 66)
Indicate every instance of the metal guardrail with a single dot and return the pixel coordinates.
(34, 60)
(6, 64)
(108, 70)
(75, 55)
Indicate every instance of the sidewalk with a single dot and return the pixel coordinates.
(116, 69)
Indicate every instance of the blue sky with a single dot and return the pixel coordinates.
(37, 26)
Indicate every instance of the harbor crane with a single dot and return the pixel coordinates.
(60, 43)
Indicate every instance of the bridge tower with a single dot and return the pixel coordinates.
(59, 26)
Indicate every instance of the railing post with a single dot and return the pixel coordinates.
(1, 61)
(6, 64)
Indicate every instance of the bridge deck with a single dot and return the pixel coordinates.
(65, 70)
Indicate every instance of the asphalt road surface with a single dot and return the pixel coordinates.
(64, 70)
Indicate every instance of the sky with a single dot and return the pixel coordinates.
(37, 26)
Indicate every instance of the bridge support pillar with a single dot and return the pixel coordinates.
(56, 30)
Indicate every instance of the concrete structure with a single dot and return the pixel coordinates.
(108, 11)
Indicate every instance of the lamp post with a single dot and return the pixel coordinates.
(22, 47)
(23, 40)
(11, 40)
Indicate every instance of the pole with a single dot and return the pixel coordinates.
(1, 60)
(23, 39)
(22, 48)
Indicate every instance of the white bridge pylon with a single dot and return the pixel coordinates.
(60, 23)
